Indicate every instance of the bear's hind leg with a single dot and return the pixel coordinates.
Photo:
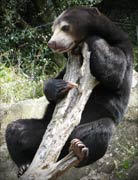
(23, 138)
(93, 139)
(89, 141)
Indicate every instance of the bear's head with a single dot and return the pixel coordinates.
(72, 27)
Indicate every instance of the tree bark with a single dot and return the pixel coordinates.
(66, 116)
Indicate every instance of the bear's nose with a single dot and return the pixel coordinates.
(52, 44)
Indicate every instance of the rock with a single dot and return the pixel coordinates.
(132, 112)
(33, 108)
(123, 144)
(109, 166)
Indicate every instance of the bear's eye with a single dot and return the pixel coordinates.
(65, 28)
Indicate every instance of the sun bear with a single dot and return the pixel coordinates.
(111, 62)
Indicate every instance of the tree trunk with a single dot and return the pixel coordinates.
(66, 116)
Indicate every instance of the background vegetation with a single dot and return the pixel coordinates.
(25, 59)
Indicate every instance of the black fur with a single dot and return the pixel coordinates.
(111, 62)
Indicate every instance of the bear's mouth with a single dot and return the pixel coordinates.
(65, 49)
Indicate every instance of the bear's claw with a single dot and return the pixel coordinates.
(22, 170)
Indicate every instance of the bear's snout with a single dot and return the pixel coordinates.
(52, 45)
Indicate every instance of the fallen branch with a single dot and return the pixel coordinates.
(66, 116)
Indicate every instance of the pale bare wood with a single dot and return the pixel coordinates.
(66, 116)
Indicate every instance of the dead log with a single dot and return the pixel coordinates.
(66, 116)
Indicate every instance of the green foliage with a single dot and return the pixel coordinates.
(136, 58)
(136, 153)
(23, 46)
(27, 50)
(122, 171)
(127, 162)
(62, 5)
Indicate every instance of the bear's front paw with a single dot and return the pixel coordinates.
(56, 89)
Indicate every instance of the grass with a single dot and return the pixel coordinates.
(15, 86)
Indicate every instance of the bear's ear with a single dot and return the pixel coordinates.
(94, 11)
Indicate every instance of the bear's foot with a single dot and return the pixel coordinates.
(79, 149)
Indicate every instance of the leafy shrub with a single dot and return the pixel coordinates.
(22, 46)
